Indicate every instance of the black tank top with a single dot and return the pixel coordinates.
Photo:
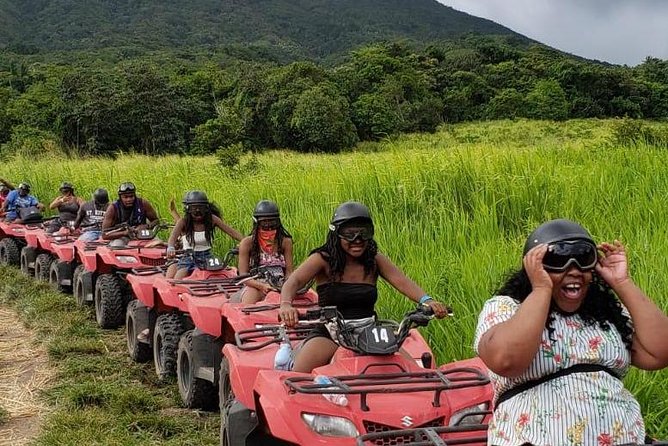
(68, 211)
(353, 300)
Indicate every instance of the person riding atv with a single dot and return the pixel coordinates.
(19, 206)
(68, 205)
(91, 214)
(136, 212)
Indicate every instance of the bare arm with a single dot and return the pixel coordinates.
(287, 255)
(227, 229)
(509, 347)
(108, 222)
(176, 232)
(80, 216)
(390, 272)
(7, 184)
(56, 202)
(151, 214)
(649, 349)
(307, 271)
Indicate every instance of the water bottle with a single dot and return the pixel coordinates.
(283, 357)
(337, 398)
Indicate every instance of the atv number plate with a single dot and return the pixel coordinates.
(378, 340)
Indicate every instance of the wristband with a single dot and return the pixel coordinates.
(424, 299)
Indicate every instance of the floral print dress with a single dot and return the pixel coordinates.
(580, 409)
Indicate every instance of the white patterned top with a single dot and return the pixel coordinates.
(580, 409)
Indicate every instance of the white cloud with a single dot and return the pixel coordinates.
(617, 31)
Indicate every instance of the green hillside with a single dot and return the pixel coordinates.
(302, 28)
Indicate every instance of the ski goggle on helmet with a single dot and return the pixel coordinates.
(569, 244)
(352, 221)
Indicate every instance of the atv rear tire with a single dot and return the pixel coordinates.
(110, 301)
(139, 351)
(225, 399)
(168, 330)
(28, 257)
(196, 393)
(42, 267)
(57, 270)
(10, 252)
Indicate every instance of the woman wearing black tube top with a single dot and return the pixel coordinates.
(346, 269)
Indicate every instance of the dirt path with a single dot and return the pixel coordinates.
(24, 372)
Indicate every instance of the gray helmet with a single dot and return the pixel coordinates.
(66, 186)
(349, 211)
(265, 209)
(25, 187)
(127, 188)
(556, 231)
(195, 197)
(101, 196)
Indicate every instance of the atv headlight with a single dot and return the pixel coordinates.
(330, 426)
(459, 418)
(126, 259)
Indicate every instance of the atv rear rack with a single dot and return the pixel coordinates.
(209, 287)
(435, 381)
(249, 339)
(429, 435)
(297, 302)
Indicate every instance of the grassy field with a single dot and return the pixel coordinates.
(452, 209)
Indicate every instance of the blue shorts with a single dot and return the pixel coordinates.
(197, 258)
(90, 236)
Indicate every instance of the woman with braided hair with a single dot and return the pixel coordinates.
(196, 231)
(346, 269)
(269, 246)
(569, 322)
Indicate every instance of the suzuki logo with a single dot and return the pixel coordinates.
(407, 421)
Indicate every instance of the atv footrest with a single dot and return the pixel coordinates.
(428, 436)
(257, 338)
(402, 382)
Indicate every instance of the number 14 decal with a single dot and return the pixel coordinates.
(380, 334)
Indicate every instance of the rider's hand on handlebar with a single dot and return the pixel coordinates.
(439, 309)
(288, 314)
(171, 252)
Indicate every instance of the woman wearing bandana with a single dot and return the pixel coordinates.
(268, 246)
(196, 231)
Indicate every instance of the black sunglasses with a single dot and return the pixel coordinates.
(352, 234)
(562, 255)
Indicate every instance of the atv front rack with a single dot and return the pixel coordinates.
(297, 302)
(436, 381)
(209, 287)
(257, 338)
(148, 270)
(429, 435)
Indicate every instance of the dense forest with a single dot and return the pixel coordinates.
(178, 95)
(289, 29)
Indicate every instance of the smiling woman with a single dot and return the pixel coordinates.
(571, 321)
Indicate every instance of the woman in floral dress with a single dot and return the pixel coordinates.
(559, 336)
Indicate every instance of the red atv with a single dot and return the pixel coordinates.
(217, 318)
(100, 275)
(260, 405)
(162, 307)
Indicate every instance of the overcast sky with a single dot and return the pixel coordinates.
(617, 31)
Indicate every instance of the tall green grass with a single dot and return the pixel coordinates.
(452, 209)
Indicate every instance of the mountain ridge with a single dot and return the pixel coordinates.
(306, 28)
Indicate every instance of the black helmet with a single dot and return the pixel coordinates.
(556, 231)
(127, 188)
(66, 186)
(25, 187)
(348, 211)
(195, 197)
(101, 196)
(265, 209)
